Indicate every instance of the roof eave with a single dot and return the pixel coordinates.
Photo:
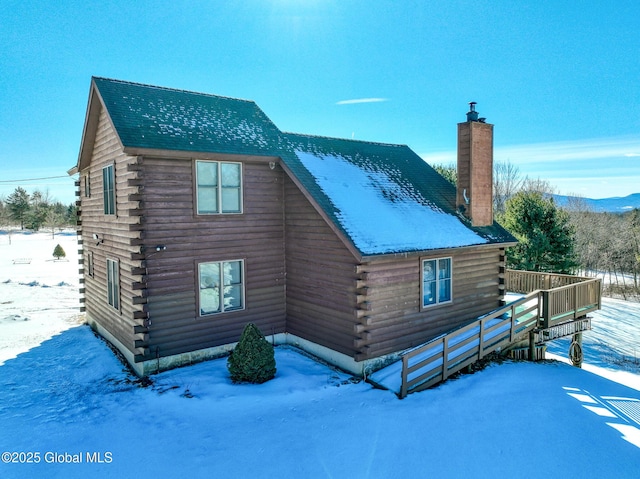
(203, 155)
(433, 252)
(90, 129)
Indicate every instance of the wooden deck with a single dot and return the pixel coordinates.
(553, 307)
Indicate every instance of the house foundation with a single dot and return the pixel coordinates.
(157, 365)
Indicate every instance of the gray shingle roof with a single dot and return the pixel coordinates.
(147, 116)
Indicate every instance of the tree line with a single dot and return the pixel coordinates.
(35, 211)
(573, 239)
(608, 243)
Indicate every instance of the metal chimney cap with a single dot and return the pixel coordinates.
(472, 115)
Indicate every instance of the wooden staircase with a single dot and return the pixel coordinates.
(554, 306)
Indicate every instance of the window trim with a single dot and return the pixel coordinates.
(243, 283)
(219, 188)
(113, 286)
(109, 195)
(437, 303)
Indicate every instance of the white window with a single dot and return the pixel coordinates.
(109, 190)
(87, 185)
(221, 286)
(113, 283)
(436, 281)
(218, 187)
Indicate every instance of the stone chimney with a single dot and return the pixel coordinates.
(475, 169)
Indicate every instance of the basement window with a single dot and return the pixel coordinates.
(218, 187)
(436, 281)
(221, 286)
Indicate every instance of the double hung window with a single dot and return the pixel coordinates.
(436, 281)
(113, 283)
(218, 187)
(109, 190)
(221, 286)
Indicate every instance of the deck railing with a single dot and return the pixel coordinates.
(525, 282)
(568, 303)
(551, 299)
(435, 361)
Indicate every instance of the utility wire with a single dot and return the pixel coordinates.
(34, 179)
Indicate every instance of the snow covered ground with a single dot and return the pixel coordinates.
(69, 406)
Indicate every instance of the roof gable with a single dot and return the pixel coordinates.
(150, 117)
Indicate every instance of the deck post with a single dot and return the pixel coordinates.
(546, 309)
(532, 346)
(575, 350)
(445, 357)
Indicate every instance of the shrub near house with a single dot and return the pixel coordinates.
(253, 360)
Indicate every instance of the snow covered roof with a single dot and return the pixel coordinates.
(383, 198)
(147, 116)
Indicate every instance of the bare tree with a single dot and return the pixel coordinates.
(507, 181)
(53, 220)
(584, 222)
(538, 185)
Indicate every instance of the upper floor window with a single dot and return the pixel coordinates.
(221, 286)
(218, 187)
(436, 281)
(109, 190)
(87, 185)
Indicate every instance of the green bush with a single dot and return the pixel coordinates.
(58, 252)
(253, 359)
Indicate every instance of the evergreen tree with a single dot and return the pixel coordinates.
(253, 359)
(58, 252)
(18, 204)
(71, 215)
(38, 210)
(545, 236)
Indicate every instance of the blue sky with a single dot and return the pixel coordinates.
(559, 80)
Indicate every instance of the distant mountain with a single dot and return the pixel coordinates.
(610, 205)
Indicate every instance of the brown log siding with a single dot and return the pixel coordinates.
(158, 290)
(255, 236)
(115, 232)
(321, 277)
(396, 319)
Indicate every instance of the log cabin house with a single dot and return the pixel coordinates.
(197, 215)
